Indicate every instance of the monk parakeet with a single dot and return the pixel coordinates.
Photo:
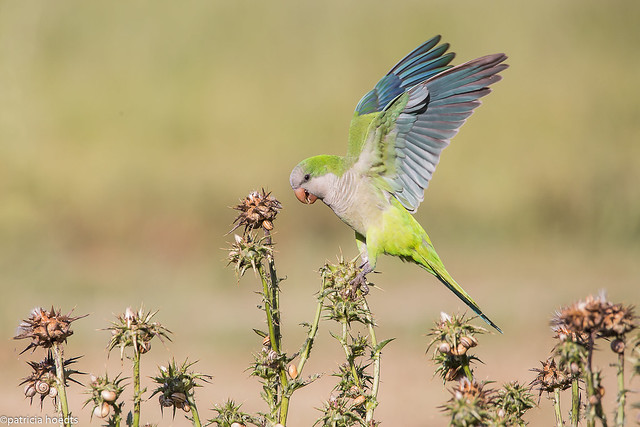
(396, 136)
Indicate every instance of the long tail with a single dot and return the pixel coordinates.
(430, 261)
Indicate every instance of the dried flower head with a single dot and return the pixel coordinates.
(247, 252)
(551, 378)
(176, 385)
(257, 210)
(43, 381)
(594, 315)
(618, 321)
(46, 328)
(135, 329)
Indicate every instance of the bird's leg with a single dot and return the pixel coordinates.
(360, 281)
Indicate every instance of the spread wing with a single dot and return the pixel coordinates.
(403, 142)
(425, 61)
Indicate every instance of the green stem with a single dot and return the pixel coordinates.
(271, 291)
(622, 393)
(595, 407)
(575, 402)
(556, 405)
(376, 363)
(464, 360)
(347, 353)
(137, 394)
(60, 385)
(194, 411)
(311, 336)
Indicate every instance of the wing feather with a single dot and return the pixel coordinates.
(405, 140)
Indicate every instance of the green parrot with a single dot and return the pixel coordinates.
(396, 136)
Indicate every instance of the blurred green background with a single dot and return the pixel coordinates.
(127, 129)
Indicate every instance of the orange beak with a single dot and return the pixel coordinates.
(304, 196)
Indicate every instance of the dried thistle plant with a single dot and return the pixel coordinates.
(577, 327)
(136, 329)
(257, 210)
(46, 328)
(355, 396)
(42, 381)
(50, 329)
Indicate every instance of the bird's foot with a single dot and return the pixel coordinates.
(360, 281)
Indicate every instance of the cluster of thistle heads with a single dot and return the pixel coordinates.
(344, 303)
(257, 212)
(578, 328)
(473, 402)
(50, 329)
(47, 329)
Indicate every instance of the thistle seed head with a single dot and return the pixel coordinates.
(42, 380)
(594, 315)
(46, 328)
(135, 329)
(247, 252)
(104, 393)
(176, 384)
(550, 377)
(257, 210)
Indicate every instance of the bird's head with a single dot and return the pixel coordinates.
(312, 178)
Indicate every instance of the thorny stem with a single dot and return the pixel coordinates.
(194, 411)
(272, 310)
(376, 363)
(304, 354)
(347, 352)
(622, 393)
(60, 380)
(575, 402)
(137, 394)
(595, 410)
(556, 406)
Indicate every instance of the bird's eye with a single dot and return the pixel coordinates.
(306, 177)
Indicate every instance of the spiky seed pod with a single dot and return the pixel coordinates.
(108, 395)
(618, 320)
(136, 329)
(46, 328)
(257, 210)
(550, 377)
(293, 371)
(247, 252)
(102, 411)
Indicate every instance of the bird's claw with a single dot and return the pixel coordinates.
(359, 282)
